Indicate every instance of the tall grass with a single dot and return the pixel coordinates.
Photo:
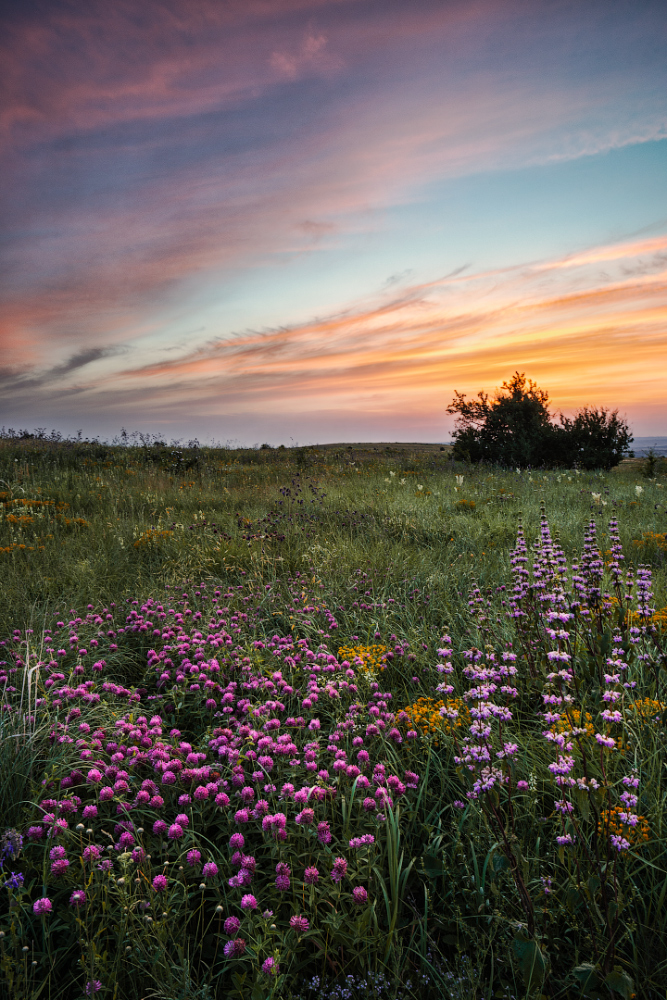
(117, 562)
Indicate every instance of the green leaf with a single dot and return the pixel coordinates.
(587, 976)
(533, 960)
(620, 982)
(582, 800)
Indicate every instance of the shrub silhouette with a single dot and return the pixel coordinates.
(515, 428)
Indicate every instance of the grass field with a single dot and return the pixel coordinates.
(312, 723)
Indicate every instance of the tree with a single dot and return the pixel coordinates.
(515, 428)
(597, 438)
(509, 429)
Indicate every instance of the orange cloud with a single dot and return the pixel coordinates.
(602, 345)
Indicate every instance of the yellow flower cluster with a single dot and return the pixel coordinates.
(21, 520)
(373, 658)
(152, 537)
(16, 546)
(566, 725)
(650, 538)
(611, 822)
(20, 502)
(424, 714)
(647, 708)
(659, 618)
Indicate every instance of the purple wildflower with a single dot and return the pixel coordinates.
(339, 870)
(232, 925)
(234, 948)
(299, 924)
(160, 883)
(78, 898)
(270, 967)
(43, 905)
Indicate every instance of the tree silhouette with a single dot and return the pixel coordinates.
(515, 428)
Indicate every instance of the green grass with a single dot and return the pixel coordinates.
(388, 546)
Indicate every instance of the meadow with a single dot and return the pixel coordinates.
(319, 723)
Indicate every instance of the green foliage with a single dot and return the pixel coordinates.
(515, 429)
(396, 566)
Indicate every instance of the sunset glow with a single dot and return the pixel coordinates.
(313, 220)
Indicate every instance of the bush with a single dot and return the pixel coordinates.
(515, 428)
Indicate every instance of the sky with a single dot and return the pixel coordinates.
(308, 221)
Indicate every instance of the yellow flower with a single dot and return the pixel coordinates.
(367, 659)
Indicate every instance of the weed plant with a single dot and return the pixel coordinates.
(317, 724)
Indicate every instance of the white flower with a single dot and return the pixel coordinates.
(387, 480)
(639, 490)
(459, 480)
(596, 497)
(402, 482)
(420, 487)
(392, 474)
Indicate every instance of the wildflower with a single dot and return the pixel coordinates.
(282, 876)
(59, 867)
(15, 880)
(90, 812)
(237, 842)
(248, 902)
(565, 841)
(270, 967)
(160, 883)
(232, 925)
(159, 827)
(57, 852)
(323, 833)
(311, 875)
(94, 776)
(339, 870)
(305, 817)
(299, 924)
(175, 831)
(43, 905)
(360, 895)
(210, 869)
(78, 898)
(194, 857)
(234, 948)
(362, 841)
(93, 986)
(11, 843)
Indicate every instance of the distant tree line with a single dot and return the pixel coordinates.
(514, 428)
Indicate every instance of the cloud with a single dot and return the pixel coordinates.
(605, 344)
(311, 57)
(18, 380)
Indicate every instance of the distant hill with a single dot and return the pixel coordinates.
(641, 445)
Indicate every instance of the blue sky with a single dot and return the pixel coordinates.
(314, 220)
